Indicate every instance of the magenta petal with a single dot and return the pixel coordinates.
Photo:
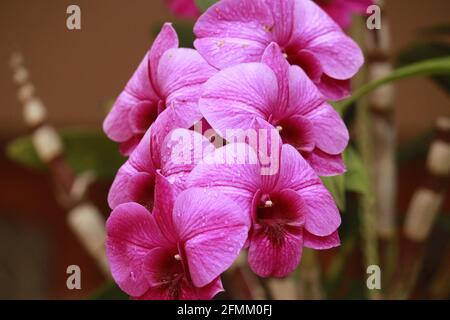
(341, 10)
(227, 52)
(159, 262)
(238, 180)
(276, 237)
(138, 93)
(165, 195)
(283, 17)
(183, 8)
(213, 230)
(273, 57)
(295, 172)
(334, 89)
(234, 96)
(269, 260)
(329, 130)
(325, 164)
(339, 55)
(323, 218)
(142, 115)
(321, 243)
(131, 234)
(127, 147)
(116, 125)
(170, 119)
(166, 39)
(181, 152)
(181, 67)
(132, 186)
(299, 132)
(308, 62)
(188, 292)
(304, 97)
(234, 31)
(134, 180)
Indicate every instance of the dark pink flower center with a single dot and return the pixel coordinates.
(295, 131)
(276, 215)
(172, 274)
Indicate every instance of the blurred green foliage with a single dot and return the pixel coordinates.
(84, 150)
(204, 4)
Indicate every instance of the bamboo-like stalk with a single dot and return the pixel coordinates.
(423, 209)
(83, 218)
(366, 203)
(384, 134)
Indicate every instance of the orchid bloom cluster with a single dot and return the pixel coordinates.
(226, 143)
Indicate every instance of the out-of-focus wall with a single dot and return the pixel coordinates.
(76, 72)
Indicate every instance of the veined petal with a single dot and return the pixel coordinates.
(166, 39)
(231, 29)
(331, 134)
(321, 243)
(314, 30)
(138, 94)
(182, 67)
(233, 170)
(325, 164)
(235, 96)
(181, 152)
(213, 229)
(334, 89)
(267, 259)
(134, 181)
(273, 57)
(323, 217)
(295, 172)
(304, 97)
(283, 17)
(131, 234)
(165, 195)
(223, 52)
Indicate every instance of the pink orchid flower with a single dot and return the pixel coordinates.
(179, 250)
(167, 76)
(284, 97)
(135, 180)
(183, 8)
(341, 10)
(289, 210)
(236, 31)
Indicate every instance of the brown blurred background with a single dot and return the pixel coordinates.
(77, 72)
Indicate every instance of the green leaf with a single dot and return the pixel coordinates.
(203, 5)
(336, 186)
(84, 150)
(436, 66)
(355, 179)
(109, 291)
(426, 51)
